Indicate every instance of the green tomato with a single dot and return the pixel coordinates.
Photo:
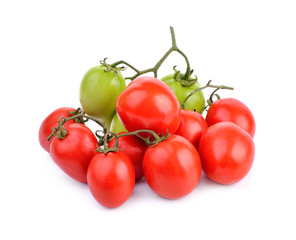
(99, 90)
(116, 125)
(194, 103)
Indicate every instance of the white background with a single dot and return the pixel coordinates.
(47, 46)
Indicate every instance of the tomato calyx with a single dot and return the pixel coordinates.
(80, 116)
(185, 81)
(109, 67)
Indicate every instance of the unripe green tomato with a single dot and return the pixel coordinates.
(99, 91)
(116, 125)
(195, 102)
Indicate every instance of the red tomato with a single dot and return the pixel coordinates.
(172, 168)
(135, 149)
(111, 178)
(227, 153)
(192, 126)
(51, 121)
(73, 153)
(148, 103)
(231, 110)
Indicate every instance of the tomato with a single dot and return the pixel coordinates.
(116, 125)
(50, 122)
(231, 110)
(195, 102)
(99, 90)
(148, 103)
(73, 153)
(192, 126)
(172, 168)
(135, 149)
(111, 178)
(227, 153)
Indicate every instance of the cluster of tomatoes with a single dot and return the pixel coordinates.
(152, 128)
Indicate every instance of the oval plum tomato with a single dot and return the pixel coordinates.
(231, 110)
(172, 168)
(192, 126)
(135, 149)
(227, 153)
(195, 102)
(73, 153)
(111, 178)
(50, 122)
(148, 103)
(116, 125)
(99, 90)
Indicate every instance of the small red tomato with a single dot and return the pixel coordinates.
(192, 126)
(51, 121)
(73, 153)
(135, 149)
(227, 153)
(172, 168)
(111, 178)
(231, 110)
(148, 103)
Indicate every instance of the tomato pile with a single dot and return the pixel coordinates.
(153, 129)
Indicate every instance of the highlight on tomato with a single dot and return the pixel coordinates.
(227, 153)
(172, 169)
(73, 151)
(192, 126)
(148, 103)
(50, 122)
(183, 87)
(111, 178)
(231, 110)
(135, 148)
(99, 89)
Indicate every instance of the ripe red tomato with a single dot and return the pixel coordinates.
(148, 103)
(231, 110)
(192, 126)
(51, 121)
(73, 153)
(172, 168)
(111, 178)
(227, 153)
(135, 149)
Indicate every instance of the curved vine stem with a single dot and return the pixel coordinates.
(81, 114)
(208, 85)
(160, 62)
(61, 132)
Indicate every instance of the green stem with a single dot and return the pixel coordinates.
(82, 115)
(160, 62)
(208, 85)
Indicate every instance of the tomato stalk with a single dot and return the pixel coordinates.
(154, 69)
(60, 132)
(208, 85)
(82, 118)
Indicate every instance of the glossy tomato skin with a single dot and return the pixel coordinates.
(116, 125)
(195, 102)
(51, 121)
(99, 91)
(231, 110)
(135, 148)
(172, 168)
(148, 103)
(73, 153)
(192, 126)
(227, 153)
(111, 178)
